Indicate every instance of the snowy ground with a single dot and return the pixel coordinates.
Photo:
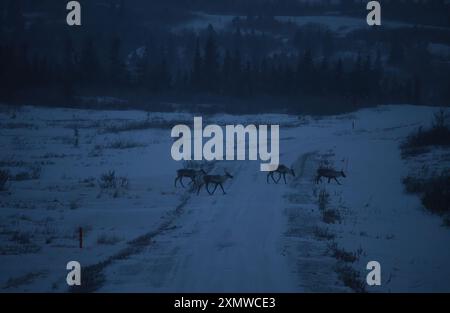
(340, 24)
(151, 236)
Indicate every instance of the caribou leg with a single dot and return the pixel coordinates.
(207, 189)
(215, 188)
(198, 190)
(222, 189)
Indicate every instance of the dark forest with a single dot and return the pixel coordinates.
(147, 55)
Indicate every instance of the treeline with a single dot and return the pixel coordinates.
(257, 63)
(304, 81)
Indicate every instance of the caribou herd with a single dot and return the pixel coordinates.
(199, 178)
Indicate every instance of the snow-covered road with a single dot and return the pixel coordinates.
(222, 243)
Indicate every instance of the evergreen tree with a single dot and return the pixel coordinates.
(305, 72)
(116, 66)
(211, 65)
(339, 79)
(163, 73)
(89, 63)
(68, 79)
(236, 73)
(396, 54)
(226, 72)
(197, 68)
(142, 68)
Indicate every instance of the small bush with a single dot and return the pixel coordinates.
(437, 135)
(324, 200)
(4, 178)
(21, 238)
(435, 192)
(342, 255)
(109, 180)
(331, 216)
(323, 234)
(36, 172)
(351, 278)
(437, 196)
(73, 205)
(142, 125)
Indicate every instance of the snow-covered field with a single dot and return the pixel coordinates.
(150, 236)
(339, 24)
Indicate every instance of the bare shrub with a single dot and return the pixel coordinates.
(351, 278)
(436, 197)
(434, 191)
(323, 234)
(21, 238)
(109, 180)
(22, 244)
(142, 125)
(437, 135)
(4, 178)
(343, 255)
(323, 200)
(331, 216)
(36, 171)
(73, 205)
